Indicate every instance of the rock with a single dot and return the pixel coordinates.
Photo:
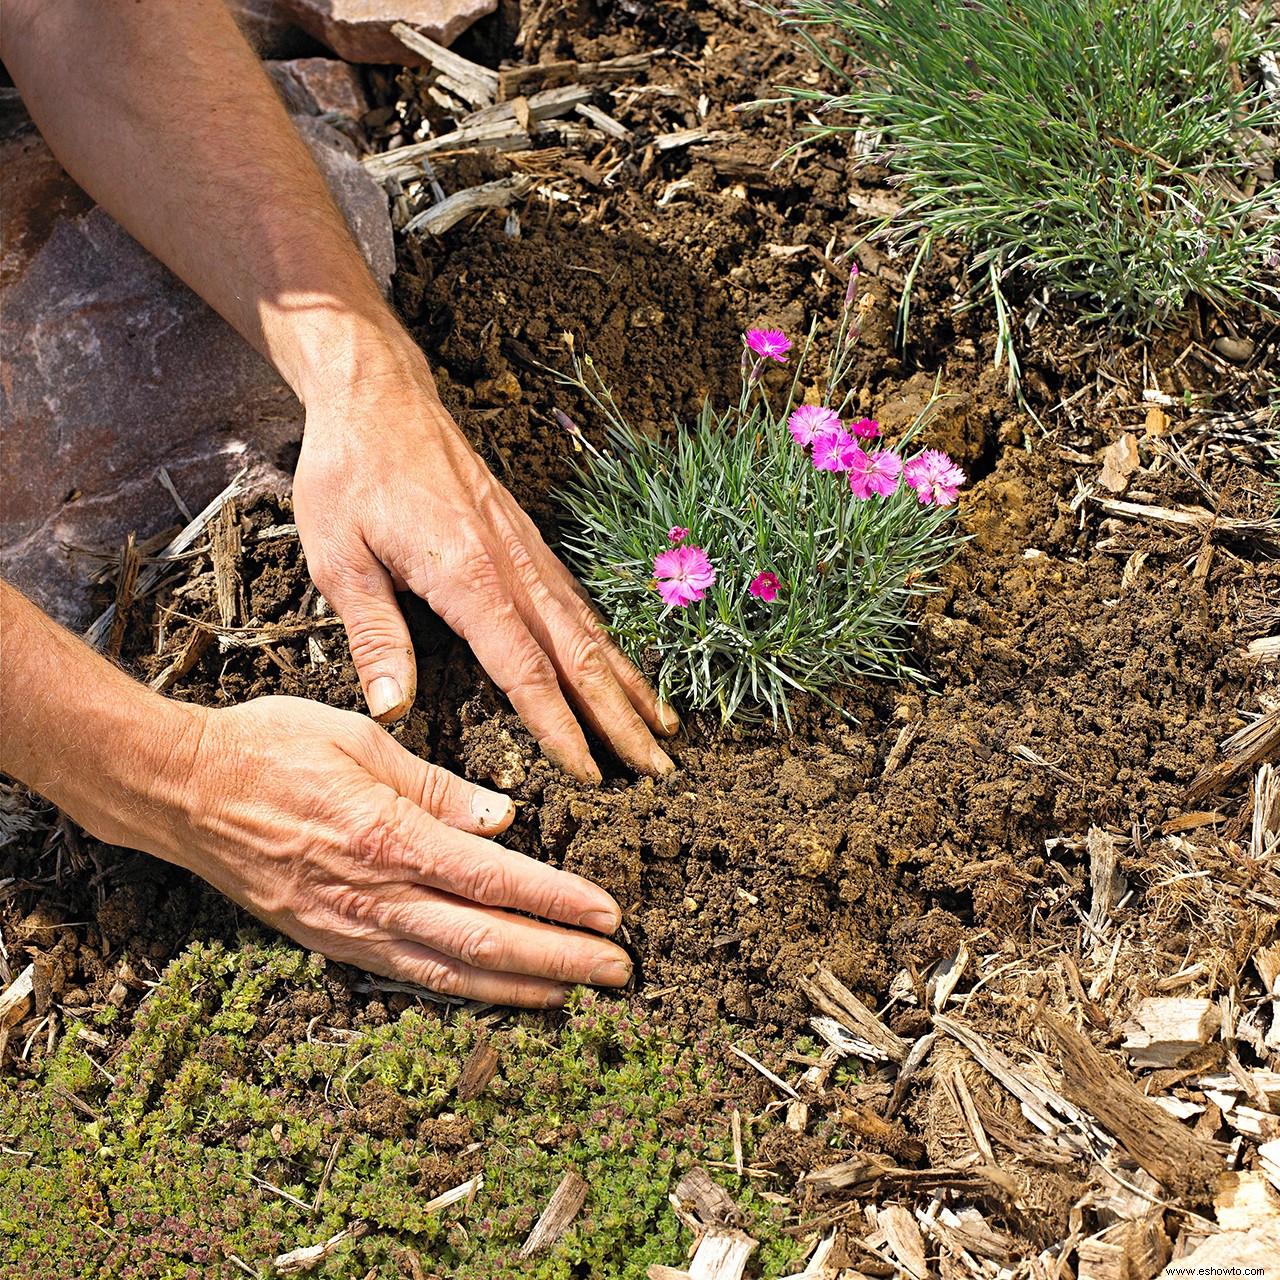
(114, 368)
(1237, 350)
(360, 30)
(313, 86)
(499, 390)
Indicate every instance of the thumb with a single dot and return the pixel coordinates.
(379, 638)
(444, 795)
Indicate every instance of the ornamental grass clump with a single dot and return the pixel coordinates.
(1123, 154)
(771, 549)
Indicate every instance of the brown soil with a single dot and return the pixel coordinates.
(1059, 695)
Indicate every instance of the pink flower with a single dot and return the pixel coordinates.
(834, 450)
(769, 344)
(866, 428)
(677, 534)
(810, 419)
(934, 477)
(683, 574)
(877, 472)
(765, 586)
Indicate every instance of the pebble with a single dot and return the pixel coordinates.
(1237, 350)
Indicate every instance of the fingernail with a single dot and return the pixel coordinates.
(660, 762)
(490, 808)
(613, 973)
(384, 696)
(600, 921)
(556, 998)
(667, 715)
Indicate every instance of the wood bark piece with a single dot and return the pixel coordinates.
(1196, 518)
(152, 574)
(407, 163)
(838, 1002)
(1126, 1251)
(16, 998)
(1163, 1030)
(565, 1204)
(192, 651)
(1106, 885)
(224, 550)
(477, 1071)
(474, 84)
(903, 1239)
(859, 1172)
(126, 589)
(1243, 750)
(1119, 461)
(489, 195)
(547, 105)
(311, 1256)
(1245, 1198)
(1167, 1150)
(1044, 1107)
(603, 121)
(513, 81)
(700, 1194)
(721, 1255)
(1233, 1252)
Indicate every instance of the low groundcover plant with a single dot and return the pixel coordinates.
(773, 548)
(1121, 154)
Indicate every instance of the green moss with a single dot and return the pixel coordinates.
(167, 1179)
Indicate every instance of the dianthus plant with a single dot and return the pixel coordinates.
(769, 549)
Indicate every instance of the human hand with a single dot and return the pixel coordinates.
(389, 496)
(321, 824)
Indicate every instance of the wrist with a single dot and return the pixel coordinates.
(130, 784)
(343, 358)
(108, 751)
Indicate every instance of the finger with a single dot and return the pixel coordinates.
(412, 962)
(363, 597)
(660, 716)
(467, 866)
(521, 668)
(453, 800)
(577, 654)
(500, 942)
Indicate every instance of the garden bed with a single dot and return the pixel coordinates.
(1084, 667)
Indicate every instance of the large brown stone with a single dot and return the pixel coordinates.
(111, 368)
(319, 85)
(360, 30)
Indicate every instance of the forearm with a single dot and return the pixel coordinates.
(105, 749)
(161, 111)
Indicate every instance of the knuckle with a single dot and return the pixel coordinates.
(586, 658)
(439, 975)
(437, 784)
(515, 547)
(374, 638)
(480, 947)
(354, 906)
(377, 843)
(489, 884)
(533, 671)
